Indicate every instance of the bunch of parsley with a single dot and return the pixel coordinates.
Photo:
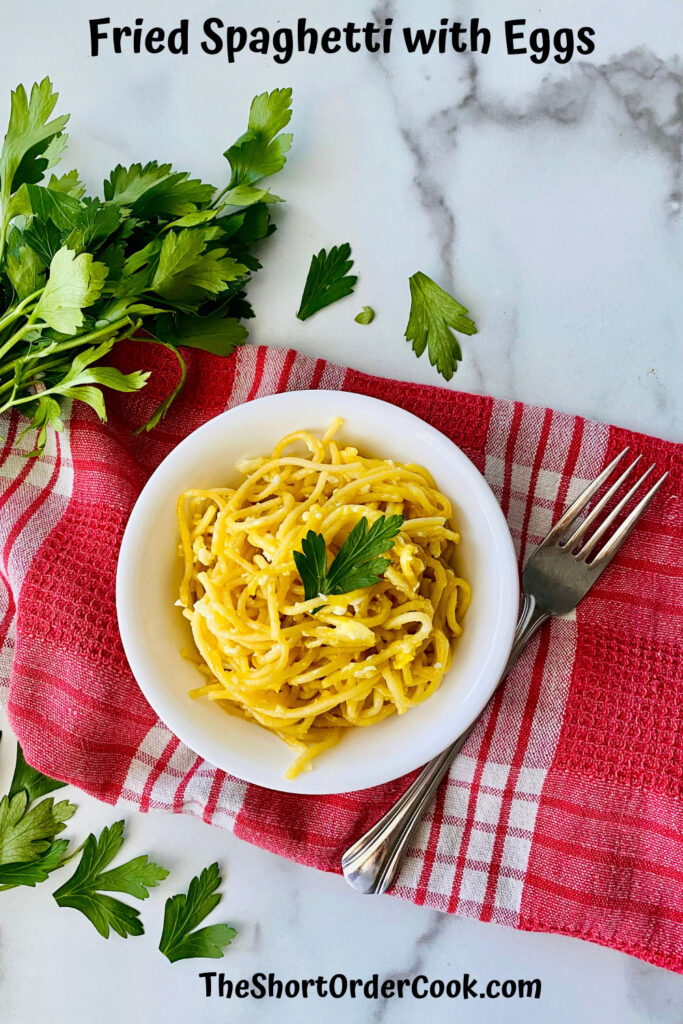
(159, 250)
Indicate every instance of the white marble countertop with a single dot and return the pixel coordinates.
(547, 198)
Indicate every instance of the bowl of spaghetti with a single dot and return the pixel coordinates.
(317, 591)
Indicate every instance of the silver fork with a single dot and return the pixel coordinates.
(558, 575)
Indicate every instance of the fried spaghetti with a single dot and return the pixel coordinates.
(303, 671)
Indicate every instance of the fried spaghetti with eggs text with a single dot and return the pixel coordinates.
(307, 670)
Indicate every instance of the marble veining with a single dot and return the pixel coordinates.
(420, 954)
(648, 89)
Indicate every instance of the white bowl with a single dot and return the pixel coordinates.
(154, 631)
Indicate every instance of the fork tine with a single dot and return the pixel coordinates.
(581, 529)
(570, 514)
(611, 518)
(609, 550)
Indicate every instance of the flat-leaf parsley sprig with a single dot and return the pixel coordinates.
(328, 280)
(434, 315)
(85, 890)
(27, 832)
(183, 913)
(30, 779)
(358, 562)
(29, 850)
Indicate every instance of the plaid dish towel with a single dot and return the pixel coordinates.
(562, 814)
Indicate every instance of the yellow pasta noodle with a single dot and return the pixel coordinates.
(267, 654)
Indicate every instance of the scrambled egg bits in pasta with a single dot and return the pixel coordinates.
(308, 670)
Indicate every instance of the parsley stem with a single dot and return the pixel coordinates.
(18, 335)
(5, 223)
(33, 368)
(71, 855)
(84, 339)
(96, 335)
(216, 199)
(16, 311)
(27, 398)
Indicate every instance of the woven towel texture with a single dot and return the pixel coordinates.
(562, 814)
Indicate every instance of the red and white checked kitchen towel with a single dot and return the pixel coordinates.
(564, 811)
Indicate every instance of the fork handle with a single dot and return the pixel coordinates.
(372, 862)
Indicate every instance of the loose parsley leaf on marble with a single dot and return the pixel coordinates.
(36, 871)
(27, 832)
(328, 280)
(366, 315)
(357, 563)
(183, 913)
(42, 853)
(30, 779)
(85, 890)
(434, 315)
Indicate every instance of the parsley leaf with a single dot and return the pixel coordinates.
(357, 563)
(183, 913)
(45, 414)
(328, 280)
(366, 315)
(93, 224)
(270, 113)
(184, 268)
(311, 562)
(125, 186)
(74, 283)
(26, 832)
(33, 872)
(433, 313)
(31, 780)
(52, 204)
(81, 376)
(214, 333)
(84, 890)
(247, 226)
(69, 183)
(155, 190)
(260, 151)
(44, 238)
(24, 267)
(24, 156)
(32, 785)
(247, 195)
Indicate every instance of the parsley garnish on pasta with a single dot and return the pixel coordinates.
(355, 565)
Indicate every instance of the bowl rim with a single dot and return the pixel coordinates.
(192, 735)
